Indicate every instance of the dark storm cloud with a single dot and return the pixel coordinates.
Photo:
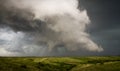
(18, 20)
(33, 22)
(32, 34)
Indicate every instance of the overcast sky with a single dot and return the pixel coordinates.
(101, 35)
(105, 16)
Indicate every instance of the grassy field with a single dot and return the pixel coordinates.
(60, 63)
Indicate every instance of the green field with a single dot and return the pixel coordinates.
(110, 63)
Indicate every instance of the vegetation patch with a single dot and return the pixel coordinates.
(60, 64)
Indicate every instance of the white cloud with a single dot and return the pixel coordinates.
(64, 23)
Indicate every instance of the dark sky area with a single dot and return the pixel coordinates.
(105, 19)
(104, 28)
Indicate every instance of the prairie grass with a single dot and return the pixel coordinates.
(95, 63)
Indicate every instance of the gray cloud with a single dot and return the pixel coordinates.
(39, 28)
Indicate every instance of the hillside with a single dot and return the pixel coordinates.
(60, 64)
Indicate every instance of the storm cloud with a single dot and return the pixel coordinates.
(54, 27)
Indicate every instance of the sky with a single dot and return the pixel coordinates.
(59, 27)
(105, 16)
